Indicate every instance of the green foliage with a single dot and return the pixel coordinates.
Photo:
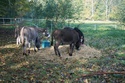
(100, 7)
(22, 7)
(49, 10)
(7, 8)
(60, 10)
(121, 12)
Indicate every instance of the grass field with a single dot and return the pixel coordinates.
(109, 68)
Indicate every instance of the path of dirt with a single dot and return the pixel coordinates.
(84, 52)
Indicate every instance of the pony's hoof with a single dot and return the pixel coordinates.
(35, 51)
(38, 48)
(70, 54)
(25, 54)
(78, 49)
(60, 57)
(28, 51)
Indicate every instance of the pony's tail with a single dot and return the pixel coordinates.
(23, 40)
(22, 37)
(52, 40)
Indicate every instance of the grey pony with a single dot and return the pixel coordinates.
(29, 35)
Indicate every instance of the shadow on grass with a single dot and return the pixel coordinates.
(7, 50)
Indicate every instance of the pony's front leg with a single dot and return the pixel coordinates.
(71, 49)
(56, 49)
(33, 42)
(24, 50)
(35, 49)
(17, 41)
(29, 45)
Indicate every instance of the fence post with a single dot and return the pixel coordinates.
(95, 26)
(3, 21)
(51, 27)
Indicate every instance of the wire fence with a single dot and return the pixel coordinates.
(5, 21)
(87, 25)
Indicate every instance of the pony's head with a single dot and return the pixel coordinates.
(44, 32)
(77, 45)
(81, 36)
(82, 39)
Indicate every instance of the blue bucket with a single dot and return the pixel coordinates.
(45, 43)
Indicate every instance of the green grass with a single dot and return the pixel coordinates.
(106, 40)
(104, 36)
(111, 42)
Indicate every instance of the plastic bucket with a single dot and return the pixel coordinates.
(45, 43)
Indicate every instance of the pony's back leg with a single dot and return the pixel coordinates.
(18, 41)
(25, 46)
(24, 49)
(56, 49)
(71, 49)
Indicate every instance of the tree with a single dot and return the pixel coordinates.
(22, 7)
(13, 8)
(58, 11)
(121, 12)
(7, 8)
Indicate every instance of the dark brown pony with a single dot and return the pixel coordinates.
(65, 36)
